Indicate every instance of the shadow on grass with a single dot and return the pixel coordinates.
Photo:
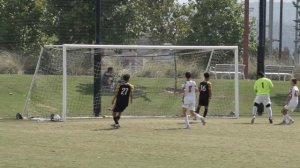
(249, 123)
(168, 129)
(104, 129)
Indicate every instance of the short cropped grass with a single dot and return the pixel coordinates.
(149, 143)
(152, 96)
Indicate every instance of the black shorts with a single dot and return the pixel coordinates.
(119, 108)
(203, 102)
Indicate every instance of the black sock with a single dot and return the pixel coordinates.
(205, 112)
(118, 117)
(116, 120)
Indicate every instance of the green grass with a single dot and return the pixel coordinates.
(151, 97)
(149, 143)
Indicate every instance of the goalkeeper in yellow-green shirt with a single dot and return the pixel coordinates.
(262, 87)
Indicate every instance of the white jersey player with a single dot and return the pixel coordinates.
(291, 103)
(189, 99)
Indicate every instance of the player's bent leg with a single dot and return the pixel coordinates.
(269, 111)
(284, 112)
(114, 115)
(200, 117)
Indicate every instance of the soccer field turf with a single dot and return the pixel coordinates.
(153, 143)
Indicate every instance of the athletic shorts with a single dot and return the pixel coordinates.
(265, 99)
(119, 108)
(189, 103)
(203, 102)
(291, 106)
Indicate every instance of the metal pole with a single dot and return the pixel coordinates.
(97, 64)
(262, 37)
(271, 11)
(280, 29)
(246, 38)
(296, 53)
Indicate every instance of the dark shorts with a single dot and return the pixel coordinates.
(119, 108)
(203, 102)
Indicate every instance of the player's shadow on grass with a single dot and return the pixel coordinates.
(249, 123)
(104, 129)
(168, 129)
(191, 122)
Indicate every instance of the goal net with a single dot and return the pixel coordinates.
(63, 82)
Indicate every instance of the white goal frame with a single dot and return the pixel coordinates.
(65, 47)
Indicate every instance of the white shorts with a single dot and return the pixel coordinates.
(265, 99)
(291, 106)
(189, 104)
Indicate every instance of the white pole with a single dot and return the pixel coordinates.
(209, 61)
(236, 83)
(32, 83)
(64, 85)
(149, 47)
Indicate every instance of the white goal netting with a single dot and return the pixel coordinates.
(157, 75)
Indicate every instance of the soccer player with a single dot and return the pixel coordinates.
(291, 103)
(204, 94)
(107, 77)
(262, 87)
(121, 99)
(189, 100)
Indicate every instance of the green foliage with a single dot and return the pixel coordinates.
(161, 21)
(216, 23)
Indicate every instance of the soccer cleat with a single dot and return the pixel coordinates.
(270, 121)
(291, 122)
(188, 127)
(252, 121)
(117, 126)
(203, 122)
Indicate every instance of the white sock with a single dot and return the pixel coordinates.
(289, 117)
(269, 111)
(186, 121)
(254, 111)
(286, 118)
(199, 116)
(283, 118)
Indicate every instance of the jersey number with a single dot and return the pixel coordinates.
(124, 91)
(262, 85)
(203, 88)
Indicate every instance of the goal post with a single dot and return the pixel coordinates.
(61, 71)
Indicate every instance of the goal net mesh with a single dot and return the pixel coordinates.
(156, 74)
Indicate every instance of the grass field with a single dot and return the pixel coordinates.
(149, 143)
(150, 96)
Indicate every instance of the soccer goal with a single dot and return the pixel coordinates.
(63, 82)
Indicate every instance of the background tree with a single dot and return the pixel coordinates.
(163, 21)
(216, 23)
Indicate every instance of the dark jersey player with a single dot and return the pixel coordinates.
(121, 99)
(204, 94)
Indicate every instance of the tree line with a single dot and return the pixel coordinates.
(28, 24)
